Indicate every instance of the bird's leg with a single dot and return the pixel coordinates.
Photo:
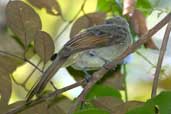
(87, 76)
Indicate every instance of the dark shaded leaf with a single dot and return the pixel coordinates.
(107, 103)
(139, 25)
(124, 107)
(52, 6)
(8, 64)
(65, 104)
(101, 90)
(86, 21)
(44, 45)
(23, 21)
(5, 90)
(8, 44)
(5, 107)
(115, 81)
(56, 110)
(8, 49)
(41, 108)
(60, 105)
(92, 111)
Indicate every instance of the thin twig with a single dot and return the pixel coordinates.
(146, 59)
(160, 59)
(21, 58)
(26, 60)
(125, 84)
(100, 73)
(21, 84)
(149, 62)
(12, 55)
(28, 77)
(37, 101)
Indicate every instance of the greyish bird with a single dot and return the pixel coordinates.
(89, 49)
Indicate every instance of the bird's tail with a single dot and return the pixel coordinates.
(45, 78)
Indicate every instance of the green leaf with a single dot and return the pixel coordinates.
(92, 111)
(108, 6)
(160, 103)
(101, 90)
(142, 110)
(145, 6)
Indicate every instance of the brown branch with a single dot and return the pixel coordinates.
(100, 73)
(37, 101)
(160, 59)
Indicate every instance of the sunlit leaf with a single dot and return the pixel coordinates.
(23, 21)
(52, 6)
(87, 21)
(44, 45)
(161, 103)
(108, 6)
(144, 6)
(101, 90)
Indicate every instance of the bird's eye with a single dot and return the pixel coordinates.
(92, 53)
(100, 33)
(53, 57)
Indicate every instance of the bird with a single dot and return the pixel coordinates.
(111, 38)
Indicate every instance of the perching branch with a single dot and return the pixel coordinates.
(37, 101)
